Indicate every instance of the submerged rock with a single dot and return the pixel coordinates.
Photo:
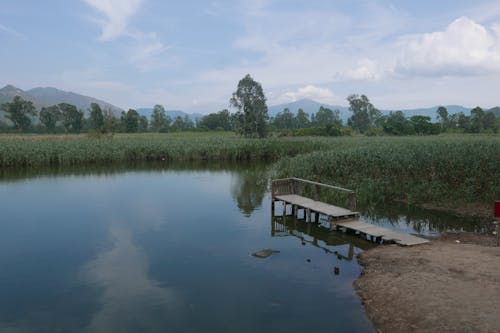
(264, 253)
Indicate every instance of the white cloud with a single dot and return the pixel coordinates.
(365, 69)
(464, 48)
(310, 92)
(12, 32)
(146, 51)
(116, 14)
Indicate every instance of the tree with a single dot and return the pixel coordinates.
(302, 119)
(96, 118)
(49, 116)
(143, 124)
(443, 117)
(216, 121)
(325, 117)
(131, 120)
(158, 119)
(251, 117)
(422, 125)
(476, 119)
(71, 117)
(397, 124)
(110, 122)
(364, 114)
(489, 121)
(284, 119)
(177, 124)
(19, 112)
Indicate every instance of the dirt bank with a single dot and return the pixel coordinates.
(444, 286)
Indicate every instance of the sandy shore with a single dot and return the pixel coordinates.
(444, 286)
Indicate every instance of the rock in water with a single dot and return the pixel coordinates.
(264, 253)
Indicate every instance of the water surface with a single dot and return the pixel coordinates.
(167, 250)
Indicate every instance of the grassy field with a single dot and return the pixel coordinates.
(449, 171)
(445, 170)
(68, 150)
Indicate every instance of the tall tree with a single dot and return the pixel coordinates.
(443, 117)
(302, 119)
(476, 119)
(326, 116)
(364, 114)
(216, 121)
(397, 124)
(284, 119)
(143, 124)
(96, 118)
(158, 119)
(49, 116)
(72, 118)
(131, 119)
(251, 117)
(19, 112)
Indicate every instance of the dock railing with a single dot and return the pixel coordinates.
(308, 188)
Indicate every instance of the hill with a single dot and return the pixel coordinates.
(310, 106)
(49, 96)
(171, 113)
(495, 110)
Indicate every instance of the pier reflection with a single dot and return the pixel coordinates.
(342, 245)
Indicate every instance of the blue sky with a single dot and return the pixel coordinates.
(190, 55)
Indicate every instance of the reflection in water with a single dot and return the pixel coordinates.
(130, 301)
(417, 220)
(248, 188)
(318, 236)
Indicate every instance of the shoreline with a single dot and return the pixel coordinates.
(449, 285)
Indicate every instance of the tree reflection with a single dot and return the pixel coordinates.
(248, 188)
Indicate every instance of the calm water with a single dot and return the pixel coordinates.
(170, 251)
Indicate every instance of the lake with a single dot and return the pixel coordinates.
(168, 249)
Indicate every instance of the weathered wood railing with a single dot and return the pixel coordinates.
(297, 186)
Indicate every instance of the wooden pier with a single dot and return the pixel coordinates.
(305, 195)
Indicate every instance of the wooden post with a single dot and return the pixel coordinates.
(353, 201)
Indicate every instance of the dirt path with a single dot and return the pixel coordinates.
(444, 286)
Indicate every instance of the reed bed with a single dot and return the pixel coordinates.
(443, 169)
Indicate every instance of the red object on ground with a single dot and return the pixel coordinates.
(497, 208)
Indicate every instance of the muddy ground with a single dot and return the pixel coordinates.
(449, 285)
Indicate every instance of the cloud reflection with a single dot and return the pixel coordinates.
(130, 301)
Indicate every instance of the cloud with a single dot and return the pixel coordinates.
(12, 32)
(309, 92)
(465, 48)
(115, 16)
(365, 69)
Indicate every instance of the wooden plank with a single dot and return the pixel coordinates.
(316, 206)
(355, 225)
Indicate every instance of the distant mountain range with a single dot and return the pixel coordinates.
(309, 106)
(49, 96)
(171, 113)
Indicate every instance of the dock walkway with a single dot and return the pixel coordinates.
(291, 191)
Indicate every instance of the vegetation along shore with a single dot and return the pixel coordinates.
(453, 171)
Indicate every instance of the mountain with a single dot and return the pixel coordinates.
(49, 96)
(171, 113)
(8, 92)
(430, 112)
(310, 106)
(495, 110)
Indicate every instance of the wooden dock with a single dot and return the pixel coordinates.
(297, 192)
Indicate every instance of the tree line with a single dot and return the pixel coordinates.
(250, 119)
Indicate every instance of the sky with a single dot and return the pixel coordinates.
(189, 55)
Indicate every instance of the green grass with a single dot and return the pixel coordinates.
(451, 170)
(69, 150)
